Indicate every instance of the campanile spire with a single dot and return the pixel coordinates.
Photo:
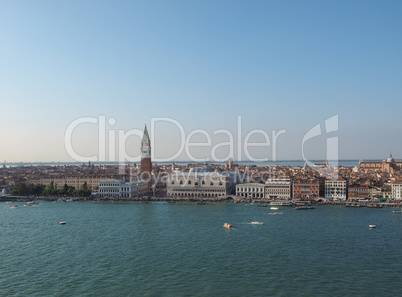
(146, 163)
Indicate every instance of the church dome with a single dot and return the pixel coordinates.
(390, 159)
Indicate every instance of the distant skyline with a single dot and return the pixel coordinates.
(279, 65)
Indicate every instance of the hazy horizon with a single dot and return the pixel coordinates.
(317, 161)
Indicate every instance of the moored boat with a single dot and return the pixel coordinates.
(372, 226)
(281, 203)
(354, 205)
(374, 206)
(397, 210)
(304, 207)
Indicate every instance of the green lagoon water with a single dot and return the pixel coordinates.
(159, 249)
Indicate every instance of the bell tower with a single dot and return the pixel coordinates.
(146, 164)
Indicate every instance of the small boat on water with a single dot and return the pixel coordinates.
(274, 208)
(226, 225)
(257, 223)
(375, 206)
(32, 202)
(304, 207)
(397, 210)
(13, 207)
(354, 205)
(372, 226)
(62, 222)
(281, 203)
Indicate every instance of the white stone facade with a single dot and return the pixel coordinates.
(397, 191)
(122, 189)
(198, 184)
(250, 191)
(336, 189)
(278, 189)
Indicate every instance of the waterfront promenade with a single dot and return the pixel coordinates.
(226, 199)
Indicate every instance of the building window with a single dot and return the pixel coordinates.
(172, 182)
(203, 182)
(212, 183)
(189, 182)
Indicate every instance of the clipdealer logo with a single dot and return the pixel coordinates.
(109, 139)
(331, 126)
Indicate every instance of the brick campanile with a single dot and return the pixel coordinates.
(146, 164)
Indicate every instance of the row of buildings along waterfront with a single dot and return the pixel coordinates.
(368, 180)
(285, 189)
(337, 189)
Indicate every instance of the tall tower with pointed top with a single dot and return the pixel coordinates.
(146, 164)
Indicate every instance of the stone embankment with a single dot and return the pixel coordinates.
(264, 202)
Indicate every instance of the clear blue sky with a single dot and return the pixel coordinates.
(278, 64)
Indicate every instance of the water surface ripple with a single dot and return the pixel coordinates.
(160, 249)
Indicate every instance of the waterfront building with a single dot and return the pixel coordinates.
(359, 193)
(305, 189)
(280, 189)
(336, 189)
(72, 181)
(386, 192)
(200, 183)
(250, 191)
(146, 163)
(122, 189)
(389, 165)
(397, 190)
(375, 192)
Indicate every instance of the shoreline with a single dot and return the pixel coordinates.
(262, 203)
